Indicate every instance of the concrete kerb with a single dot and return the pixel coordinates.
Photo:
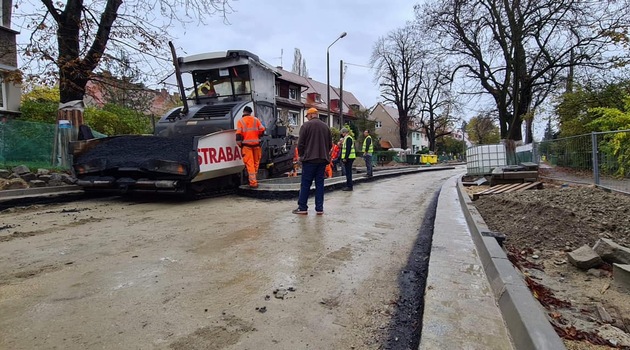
(38, 191)
(523, 315)
(268, 189)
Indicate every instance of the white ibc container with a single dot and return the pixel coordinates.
(480, 160)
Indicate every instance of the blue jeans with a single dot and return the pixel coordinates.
(310, 172)
(368, 163)
(348, 169)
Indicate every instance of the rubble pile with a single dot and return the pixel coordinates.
(21, 177)
(605, 250)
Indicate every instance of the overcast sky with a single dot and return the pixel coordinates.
(268, 28)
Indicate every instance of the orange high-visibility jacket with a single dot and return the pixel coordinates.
(334, 152)
(249, 130)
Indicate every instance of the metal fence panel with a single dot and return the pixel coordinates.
(600, 158)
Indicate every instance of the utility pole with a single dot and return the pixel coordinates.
(340, 94)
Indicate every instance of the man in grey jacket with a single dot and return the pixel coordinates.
(314, 146)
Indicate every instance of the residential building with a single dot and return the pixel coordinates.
(10, 89)
(105, 89)
(313, 93)
(289, 104)
(459, 135)
(387, 128)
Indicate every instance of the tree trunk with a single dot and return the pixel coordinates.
(403, 130)
(74, 71)
(72, 84)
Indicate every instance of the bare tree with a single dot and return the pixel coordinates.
(397, 59)
(84, 32)
(517, 51)
(436, 104)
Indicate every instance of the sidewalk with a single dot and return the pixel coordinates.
(474, 297)
(460, 311)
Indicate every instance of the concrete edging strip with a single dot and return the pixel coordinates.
(523, 315)
(39, 191)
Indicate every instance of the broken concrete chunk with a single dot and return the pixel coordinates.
(614, 335)
(36, 183)
(621, 275)
(603, 314)
(28, 176)
(4, 174)
(21, 169)
(68, 179)
(13, 184)
(612, 252)
(584, 258)
(594, 272)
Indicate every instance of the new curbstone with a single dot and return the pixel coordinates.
(523, 315)
(500, 273)
(526, 321)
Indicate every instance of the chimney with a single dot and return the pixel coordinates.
(334, 104)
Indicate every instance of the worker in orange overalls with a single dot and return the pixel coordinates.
(296, 163)
(328, 173)
(335, 152)
(249, 129)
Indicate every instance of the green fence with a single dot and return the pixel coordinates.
(27, 143)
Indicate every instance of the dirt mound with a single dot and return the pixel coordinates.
(558, 218)
(541, 226)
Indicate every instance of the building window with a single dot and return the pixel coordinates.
(3, 93)
(318, 98)
(378, 125)
(324, 118)
(293, 94)
(277, 89)
(293, 118)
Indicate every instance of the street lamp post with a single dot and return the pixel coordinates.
(328, 73)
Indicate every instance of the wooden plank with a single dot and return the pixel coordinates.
(500, 188)
(508, 187)
(517, 188)
(489, 191)
(536, 184)
(483, 193)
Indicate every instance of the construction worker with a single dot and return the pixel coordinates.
(249, 129)
(348, 155)
(314, 145)
(335, 152)
(296, 164)
(328, 172)
(368, 150)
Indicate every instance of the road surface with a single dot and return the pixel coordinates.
(219, 273)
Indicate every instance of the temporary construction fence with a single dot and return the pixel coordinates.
(600, 158)
(28, 143)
